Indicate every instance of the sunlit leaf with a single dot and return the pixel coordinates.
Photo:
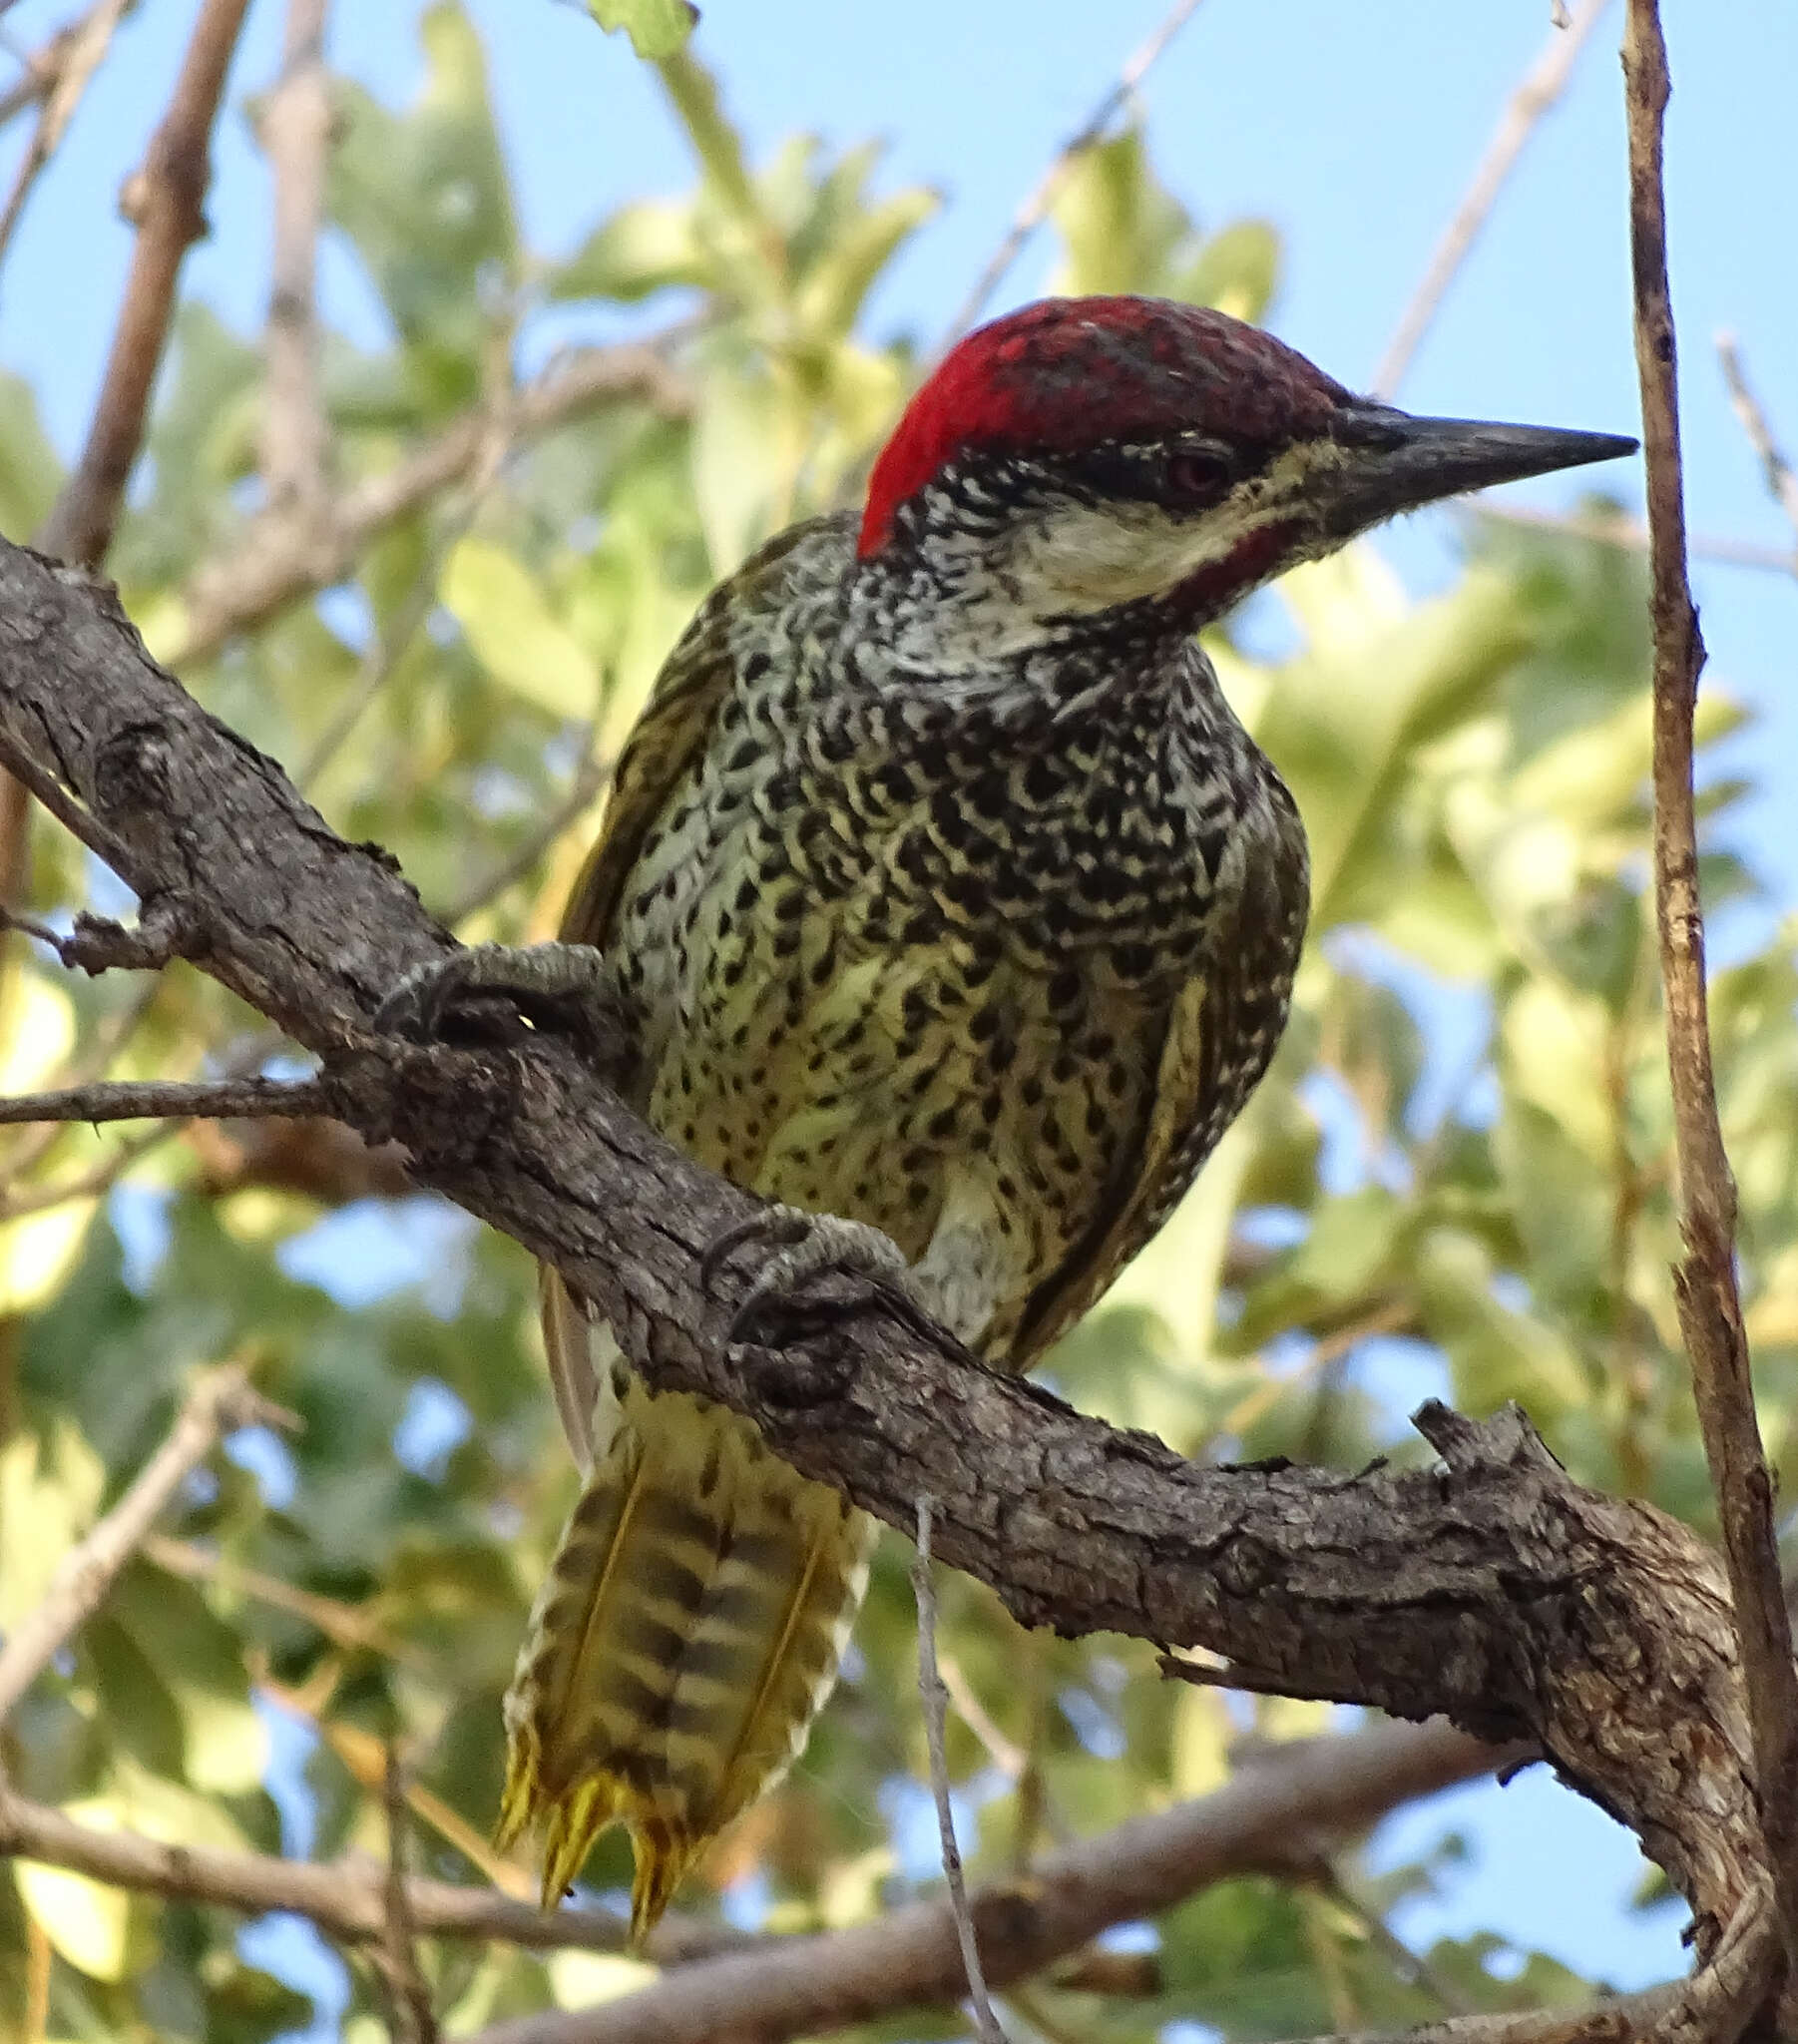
(656, 28)
(502, 609)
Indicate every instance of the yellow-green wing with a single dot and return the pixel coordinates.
(668, 736)
(1183, 1122)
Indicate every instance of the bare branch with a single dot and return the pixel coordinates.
(804, 1986)
(1782, 480)
(346, 1899)
(1618, 529)
(43, 68)
(592, 776)
(934, 1698)
(69, 63)
(16, 1200)
(163, 1100)
(1042, 196)
(348, 1624)
(296, 130)
(1711, 1315)
(1491, 1588)
(1618, 2019)
(219, 1401)
(396, 1955)
(165, 198)
(280, 559)
(1541, 85)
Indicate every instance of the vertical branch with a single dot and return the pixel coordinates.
(165, 198)
(396, 1958)
(296, 129)
(1710, 1315)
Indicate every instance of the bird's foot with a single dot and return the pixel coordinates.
(483, 990)
(796, 1249)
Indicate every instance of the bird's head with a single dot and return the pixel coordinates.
(1084, 456)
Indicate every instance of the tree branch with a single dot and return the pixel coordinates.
(1781, 477)
(296, 130)
(42, 69)
(347, 1899)
(1042, 196)
(219, 1401)
(164, 198)
(1493, 1590)
(60, 74)
(911, 1957)
(935, 1698)
(1711, 1315)
(1541, 87)
(138, 1100)
(280, 559)
(1618, 529)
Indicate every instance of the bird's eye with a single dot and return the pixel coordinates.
(1196, 475)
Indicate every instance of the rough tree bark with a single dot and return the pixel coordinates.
(1490, 1588)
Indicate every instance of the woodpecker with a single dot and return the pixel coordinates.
(941, 895)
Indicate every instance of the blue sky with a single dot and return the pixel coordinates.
(1354, 129)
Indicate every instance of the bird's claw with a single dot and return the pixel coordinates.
(416, 1009)
(487, 988)
(796, 1250)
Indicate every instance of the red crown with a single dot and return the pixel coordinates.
(1068, 374)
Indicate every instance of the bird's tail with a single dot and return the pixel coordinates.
(688, 1633)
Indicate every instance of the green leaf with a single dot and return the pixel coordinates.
(656, 28)
(644, 247)
(30, 472)
(514, 636)
(1118, 226)
(1236, 271)
(424, 197)
(88, 1924)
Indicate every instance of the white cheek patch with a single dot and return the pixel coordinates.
(1089, 556)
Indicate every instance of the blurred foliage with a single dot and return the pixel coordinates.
(1459, 1167)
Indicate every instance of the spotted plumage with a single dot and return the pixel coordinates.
(943, 891)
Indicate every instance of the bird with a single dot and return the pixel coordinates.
(945, 904)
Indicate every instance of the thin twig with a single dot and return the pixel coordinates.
(381, 661)
(592, 777)
(1010, 1759)
(1782, 480)
(1345, 1781)
(166, 198)
(415, 2021)
(1541, 85)
(166, 1100)
(348, 1624)
(1711, 1315)
(110, 1040)
(1615, 2019)
(935, 1698)
(78, 58)
(1618, 529)
(40, 68)
(219, 1401)
(280, 558)
(297, 131)
(1043, 195)
(87, 1185)
(364, 1760)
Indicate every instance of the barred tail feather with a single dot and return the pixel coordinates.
(688, 1633)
